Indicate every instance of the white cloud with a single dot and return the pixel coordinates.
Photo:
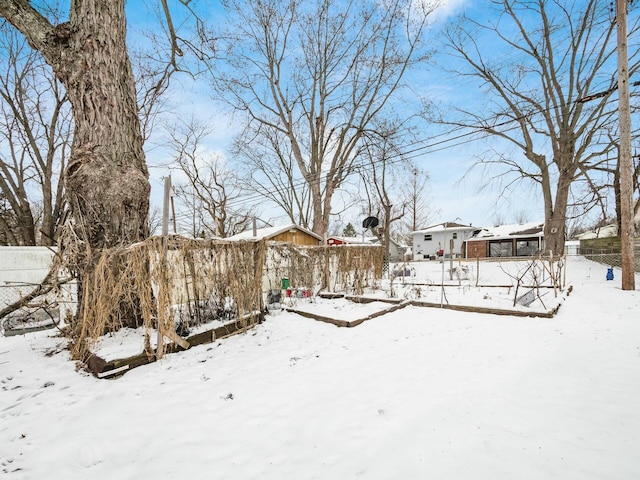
(445, 9)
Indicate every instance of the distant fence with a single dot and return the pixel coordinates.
(21, 269)
(607, 251)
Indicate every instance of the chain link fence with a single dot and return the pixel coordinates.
(22, 269)
(12, 292)
(607, 251)
(7, 295)
(611, 259)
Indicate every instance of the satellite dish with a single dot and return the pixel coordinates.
(370, 222)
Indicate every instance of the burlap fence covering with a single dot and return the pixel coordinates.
(184, 282)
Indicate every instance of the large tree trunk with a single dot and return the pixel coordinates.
(106, 177)
(555, 219)
(321, 205)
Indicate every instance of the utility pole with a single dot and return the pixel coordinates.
(163, 262)
(624, 154)
(165, 211)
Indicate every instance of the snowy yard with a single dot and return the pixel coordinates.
(417, 393)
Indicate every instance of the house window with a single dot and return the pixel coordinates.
(501, 248)
(455, 235)
(526, 248)
(427, 238)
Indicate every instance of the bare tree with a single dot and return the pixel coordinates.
(35, 136)
(274, 174)
(316, 74)
(37, 124)
(521, 216)
(498, 219)
(7, 223)
(383, 176)
(564, 55)
(419, 211)
(167, 47)
(212, 192)
(636, 183)
(154, 221)
(612, 169)
(106, 178)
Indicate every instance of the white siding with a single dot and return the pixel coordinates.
(440, 239)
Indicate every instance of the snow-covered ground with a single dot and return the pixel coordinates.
(418, 393)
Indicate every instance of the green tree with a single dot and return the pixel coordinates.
(349, 231)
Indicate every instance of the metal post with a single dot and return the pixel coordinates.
(165, 246)
(165, 208)
(173, 215)
(444, 240)
(451, 259)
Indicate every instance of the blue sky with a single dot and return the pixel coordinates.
(453, 194)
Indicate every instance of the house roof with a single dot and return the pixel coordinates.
(376, 240)
(353, 240)
(510, 231)
(601, 232)
(269, 232)
(448, 226)
(367, 241)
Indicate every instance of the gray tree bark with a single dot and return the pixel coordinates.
(106, 177)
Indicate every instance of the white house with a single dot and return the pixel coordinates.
(444, 239)
(572, 247)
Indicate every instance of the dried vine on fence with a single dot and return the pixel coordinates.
(350, 269)
(197, 281)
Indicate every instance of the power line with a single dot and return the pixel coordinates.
(390, 160)
(604, 93)
(482, 131)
